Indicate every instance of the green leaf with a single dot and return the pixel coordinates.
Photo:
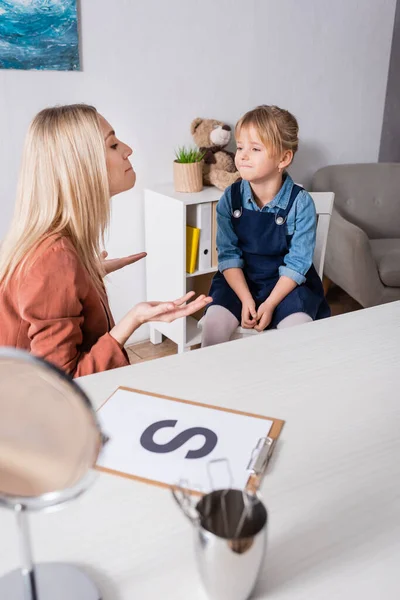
(188, 155)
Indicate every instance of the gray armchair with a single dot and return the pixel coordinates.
(363, 249)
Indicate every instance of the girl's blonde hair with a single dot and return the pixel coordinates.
(278, 128)
(63, 189)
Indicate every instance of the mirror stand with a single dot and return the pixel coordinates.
(45, 581)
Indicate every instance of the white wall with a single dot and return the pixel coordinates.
(151, 67)
(327, 61)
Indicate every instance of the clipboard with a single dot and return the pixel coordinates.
(257, 461)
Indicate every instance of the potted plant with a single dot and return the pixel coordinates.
(188, 170)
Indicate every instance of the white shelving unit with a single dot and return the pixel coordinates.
(165, 228)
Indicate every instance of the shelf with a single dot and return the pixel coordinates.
(166, 216)
(203, 272)
(207, 194)
(193, 333)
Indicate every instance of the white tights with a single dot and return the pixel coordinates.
(294, 319)
(219, 324)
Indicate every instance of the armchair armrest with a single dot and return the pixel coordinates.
(349, 261)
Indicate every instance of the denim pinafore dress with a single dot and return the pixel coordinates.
(264, 244)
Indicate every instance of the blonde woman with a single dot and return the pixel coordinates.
(53, 301)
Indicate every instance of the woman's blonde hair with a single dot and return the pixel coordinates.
(278, 128)
(63, 189)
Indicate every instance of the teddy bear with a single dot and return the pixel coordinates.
(211, 137)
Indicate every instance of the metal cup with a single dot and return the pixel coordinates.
(230, 540)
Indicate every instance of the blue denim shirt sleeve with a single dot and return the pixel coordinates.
(229, 252)
(301, 249)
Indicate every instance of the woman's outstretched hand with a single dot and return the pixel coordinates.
(145, 312)
(169, 311)
(114, 264)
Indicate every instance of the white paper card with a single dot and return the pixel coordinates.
(169, 442)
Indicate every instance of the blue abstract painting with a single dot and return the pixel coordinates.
(39, 34)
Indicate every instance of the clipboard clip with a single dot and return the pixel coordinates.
(260, 456)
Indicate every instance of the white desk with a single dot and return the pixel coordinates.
(333, 487)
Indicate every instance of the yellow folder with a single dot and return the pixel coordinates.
(192, 247)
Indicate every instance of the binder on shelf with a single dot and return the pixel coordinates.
(204, 215)
(200, 216)
(192, 247)
(214, 251)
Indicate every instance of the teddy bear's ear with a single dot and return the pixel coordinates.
(195, 124)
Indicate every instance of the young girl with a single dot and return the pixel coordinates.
(53, 301)
(266, 236)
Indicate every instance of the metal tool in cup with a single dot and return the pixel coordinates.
(230, 528)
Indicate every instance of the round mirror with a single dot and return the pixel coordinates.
(49, 441)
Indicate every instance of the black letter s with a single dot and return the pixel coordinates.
(148, 443)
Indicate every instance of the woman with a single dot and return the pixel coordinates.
(53, 301)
